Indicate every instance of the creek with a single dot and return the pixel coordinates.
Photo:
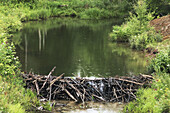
(79, 48)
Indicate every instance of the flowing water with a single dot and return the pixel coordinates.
(77, 48)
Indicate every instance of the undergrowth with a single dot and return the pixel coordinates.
(13, 96)
(136, 29)
(152, 100)
(87, 9)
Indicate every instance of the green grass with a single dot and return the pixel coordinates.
(86, 9)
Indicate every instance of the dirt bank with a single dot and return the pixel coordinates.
(162, 25)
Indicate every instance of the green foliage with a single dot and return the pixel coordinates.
(154, 99)
(9, 64)
(161, 63)
(158, 6)
(9, 22)
(86, 9)
(146, 102)
(136, 30)
(47, 106)
(13, 96)
(12, 93)
(141, 41)
(91, 13)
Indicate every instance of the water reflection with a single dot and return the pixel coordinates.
(75, 46)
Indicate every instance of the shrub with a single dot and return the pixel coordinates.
(161, 63)
(91, 13)
(44, 13)
(145, 104)
(13, 96)
(140, 41)
(154, 99)
(136, 30)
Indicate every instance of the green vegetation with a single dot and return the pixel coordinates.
(140, 35)
(136, 29)
(160, 7)
(13, 96)
(161, 63)
(155, 99)
(87, 9)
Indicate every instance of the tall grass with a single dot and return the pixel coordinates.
(86, 9)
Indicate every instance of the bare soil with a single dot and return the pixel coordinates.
(162, 25)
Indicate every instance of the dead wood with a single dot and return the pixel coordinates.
(116, 89)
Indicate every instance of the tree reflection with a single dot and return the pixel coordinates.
(79, 47)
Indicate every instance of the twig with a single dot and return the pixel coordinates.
(129, 81)
(52, 82)
(47, 78)
(70, 95)
(37, 87)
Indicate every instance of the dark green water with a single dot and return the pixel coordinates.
(75, 46)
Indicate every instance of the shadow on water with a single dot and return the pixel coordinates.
(75, 46)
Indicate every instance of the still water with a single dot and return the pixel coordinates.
(88, 107)
(75, 47)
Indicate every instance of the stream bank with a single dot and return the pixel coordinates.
(11, 23)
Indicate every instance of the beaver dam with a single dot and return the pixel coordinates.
(117, 89)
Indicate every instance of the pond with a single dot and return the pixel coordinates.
(77, 48)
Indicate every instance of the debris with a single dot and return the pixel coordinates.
(116, 89)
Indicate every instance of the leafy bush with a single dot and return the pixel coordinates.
(154, 99)
(136, 30)
(44, 13)
(145, 104)
(161, 63)
(13, 96)
(10, 23)
(140, 41)
(91, 13)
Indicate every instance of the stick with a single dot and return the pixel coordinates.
(37, 87)
(114, 91)
(47, 78)
(70, 94)
(147, 76)
(117, 97)
(98, 97)
(52, 82)
(129, 81)
(80, 94)
(50, 90)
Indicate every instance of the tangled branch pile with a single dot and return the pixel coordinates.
(86, 89)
